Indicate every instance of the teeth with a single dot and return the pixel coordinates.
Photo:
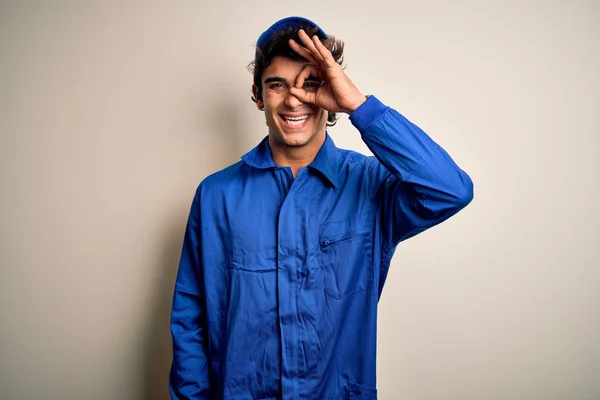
(296, 120)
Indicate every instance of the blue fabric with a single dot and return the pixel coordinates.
(279, 279)
(283, 24)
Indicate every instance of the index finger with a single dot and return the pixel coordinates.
(307, 72)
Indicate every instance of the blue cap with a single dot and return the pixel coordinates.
(289, 23)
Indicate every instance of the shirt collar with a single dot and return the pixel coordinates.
(260, 157)
(326, 161)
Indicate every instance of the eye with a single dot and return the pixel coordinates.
(276, 86)
(312, 85)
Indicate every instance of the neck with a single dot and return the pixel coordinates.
(296, 157)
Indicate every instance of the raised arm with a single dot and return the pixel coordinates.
(414, 182)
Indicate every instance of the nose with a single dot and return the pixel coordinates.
(292, 101)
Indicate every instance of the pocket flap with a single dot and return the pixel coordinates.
(334, 232)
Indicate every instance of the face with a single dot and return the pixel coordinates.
(291, 123)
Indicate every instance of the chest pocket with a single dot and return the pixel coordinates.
(346, 249)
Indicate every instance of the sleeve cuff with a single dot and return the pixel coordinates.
(368, 112)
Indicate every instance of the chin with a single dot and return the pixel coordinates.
(297, 138)
(293, 140)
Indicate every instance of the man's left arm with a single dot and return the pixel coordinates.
(413, 180)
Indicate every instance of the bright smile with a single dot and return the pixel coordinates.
(296, 121)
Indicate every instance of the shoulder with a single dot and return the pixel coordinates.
(224, 175)
(349, 156)
(352, 160)
(219, 181)
(356, 167)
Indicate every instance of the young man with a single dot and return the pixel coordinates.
(286, 252)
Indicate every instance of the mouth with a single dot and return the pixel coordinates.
(294, 122)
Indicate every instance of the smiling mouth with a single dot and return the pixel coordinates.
(295, 122)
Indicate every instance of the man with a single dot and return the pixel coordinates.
(286, 252)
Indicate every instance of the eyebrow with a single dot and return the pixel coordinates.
(274, 79)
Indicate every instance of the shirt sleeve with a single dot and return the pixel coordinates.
(414, 182)
(189, 376)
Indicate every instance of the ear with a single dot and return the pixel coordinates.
(259, 103)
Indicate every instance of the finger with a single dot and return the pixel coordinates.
(303, 52)
(304, 96)
(307, 71)
(324, 52)
(310, 45)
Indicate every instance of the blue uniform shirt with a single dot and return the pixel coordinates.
(279, 279)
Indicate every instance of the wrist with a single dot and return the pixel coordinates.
(360, 99)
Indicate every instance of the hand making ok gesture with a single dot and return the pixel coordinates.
(336, 93)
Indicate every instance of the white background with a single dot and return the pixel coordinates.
(112, 112)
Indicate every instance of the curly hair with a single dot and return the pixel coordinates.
(278, 45)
